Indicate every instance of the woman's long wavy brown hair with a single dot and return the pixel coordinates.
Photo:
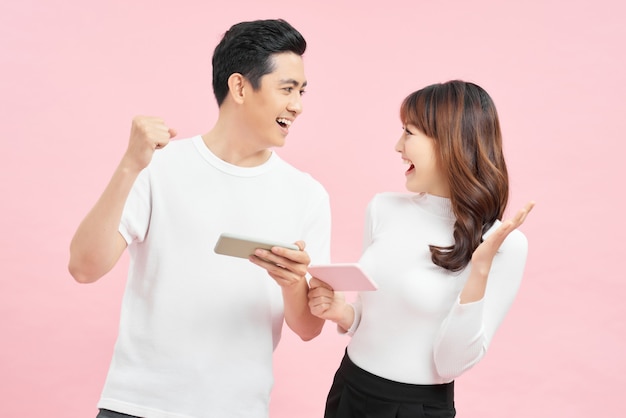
(462, 120)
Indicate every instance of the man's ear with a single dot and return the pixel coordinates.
(236, 87)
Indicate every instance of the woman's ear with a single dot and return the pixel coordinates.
(236, 87)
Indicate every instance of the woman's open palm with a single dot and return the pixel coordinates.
(486, 251)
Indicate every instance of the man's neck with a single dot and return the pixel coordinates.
(235, 147)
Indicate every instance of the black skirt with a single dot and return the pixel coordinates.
(356, 393)
(105, 413)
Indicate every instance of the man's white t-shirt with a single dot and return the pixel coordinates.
(198, 329)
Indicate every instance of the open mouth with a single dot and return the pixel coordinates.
(284, 123)
(411, 165)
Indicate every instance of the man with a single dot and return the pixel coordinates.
(198, 329)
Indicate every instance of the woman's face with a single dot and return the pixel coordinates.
(424, 174)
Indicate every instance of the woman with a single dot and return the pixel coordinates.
(446, 267)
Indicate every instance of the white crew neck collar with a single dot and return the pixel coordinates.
(229, 168)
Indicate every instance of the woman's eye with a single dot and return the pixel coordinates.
(288, 89)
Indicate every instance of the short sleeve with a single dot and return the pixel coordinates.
(136, 215)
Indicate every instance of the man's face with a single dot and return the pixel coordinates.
(272, 108)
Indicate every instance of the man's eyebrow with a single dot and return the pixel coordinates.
(293, 82)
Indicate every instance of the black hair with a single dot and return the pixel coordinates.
(248, 48)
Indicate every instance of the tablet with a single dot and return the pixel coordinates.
(243, 247)
(343, 276)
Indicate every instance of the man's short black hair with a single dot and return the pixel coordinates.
(248, 47)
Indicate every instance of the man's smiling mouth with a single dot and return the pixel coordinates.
(284, 123)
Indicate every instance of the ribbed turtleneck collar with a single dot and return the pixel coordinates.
(440, 206)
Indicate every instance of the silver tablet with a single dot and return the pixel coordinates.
(243, 247)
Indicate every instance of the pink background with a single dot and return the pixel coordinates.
(73, 76)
